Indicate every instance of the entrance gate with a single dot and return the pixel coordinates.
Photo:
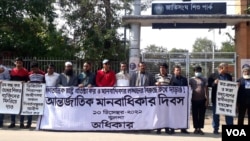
(207, 60)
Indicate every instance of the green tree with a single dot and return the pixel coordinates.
(176, 50)
(154, 48)
(227, 46)
(93, 25)
(27, 29)
(203, 45)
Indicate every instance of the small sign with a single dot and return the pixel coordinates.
(188, 8)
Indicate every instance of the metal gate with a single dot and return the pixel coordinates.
(207, 60)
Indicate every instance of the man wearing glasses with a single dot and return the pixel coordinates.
(105, 77)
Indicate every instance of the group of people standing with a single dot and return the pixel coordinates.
(106, 77)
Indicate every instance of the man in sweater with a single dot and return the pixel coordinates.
(105, 77)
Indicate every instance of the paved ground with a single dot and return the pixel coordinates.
(32, 134)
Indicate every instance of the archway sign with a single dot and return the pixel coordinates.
(192, 15)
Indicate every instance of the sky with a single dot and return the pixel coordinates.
(184, 38)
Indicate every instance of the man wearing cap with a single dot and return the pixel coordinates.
(243, 99)
(105, 77)
(213, 80)
(19, 73)
(163, 79)
(4, 75)
(67, 78)
(122, 77)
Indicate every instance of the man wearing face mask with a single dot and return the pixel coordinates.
(122, 77)
(67, 78)
(199, 100)
(213, 80)
(243, 99)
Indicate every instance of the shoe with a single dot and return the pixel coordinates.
(167, 130)
(201, 132)
(184, 131)
(12, 125)
(158, 131)
(171, 131)
(196, 131)
(21, 125)
(216, 132)
(28, 126)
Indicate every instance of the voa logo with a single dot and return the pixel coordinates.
(236, 132)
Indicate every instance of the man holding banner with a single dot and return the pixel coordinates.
(213, 81)
(35, 76)
(178, 80)
(122, 77)
(163, 79)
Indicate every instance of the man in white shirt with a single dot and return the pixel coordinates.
(51, 76)
(122, 77)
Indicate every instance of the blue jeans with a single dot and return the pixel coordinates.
(216, 119)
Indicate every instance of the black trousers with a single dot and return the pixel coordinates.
(198, 113)
(242, 111)
(13, 119)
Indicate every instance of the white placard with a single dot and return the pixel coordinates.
(226, 98)
(10, 97)
(33, 99)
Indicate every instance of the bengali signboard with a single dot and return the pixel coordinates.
(188, 9)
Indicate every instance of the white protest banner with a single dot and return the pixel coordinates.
(10, 97)
(226, 98)
(33, 99)
(115, 108)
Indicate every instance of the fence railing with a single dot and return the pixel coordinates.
(59, 63)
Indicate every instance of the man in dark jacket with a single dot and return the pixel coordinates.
(142, 77)
(67, 78)
(243, 99)
(178, 80)
(213, 83)
(86, 78)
